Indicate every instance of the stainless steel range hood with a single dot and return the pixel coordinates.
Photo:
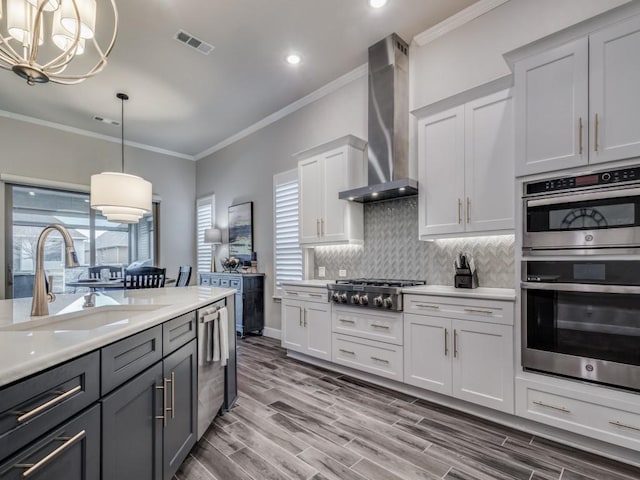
(388, 155)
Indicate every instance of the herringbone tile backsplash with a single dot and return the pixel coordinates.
(392, 250)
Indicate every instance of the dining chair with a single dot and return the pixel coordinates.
(184, 275)
(145, 277)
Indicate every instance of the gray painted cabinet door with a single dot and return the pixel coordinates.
(131, 433)
(70, 452)
(181, 367)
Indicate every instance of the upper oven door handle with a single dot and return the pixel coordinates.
(581, 287)
(585, 197)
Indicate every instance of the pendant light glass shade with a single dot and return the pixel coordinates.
(121, 197)
(20, 17)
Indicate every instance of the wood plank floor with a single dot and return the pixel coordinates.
(297, 422)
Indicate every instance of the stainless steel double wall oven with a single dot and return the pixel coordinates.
(581, 277)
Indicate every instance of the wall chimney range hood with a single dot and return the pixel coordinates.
(389, 173)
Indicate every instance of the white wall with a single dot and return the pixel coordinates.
(41, 152)
(472, 54)
(244, 171)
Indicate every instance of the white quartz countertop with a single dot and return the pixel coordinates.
(309, 283)
(484, 293)
(27, 348)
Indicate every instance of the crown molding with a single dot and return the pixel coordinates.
(456, 21)
(87, 133)
(323, 91)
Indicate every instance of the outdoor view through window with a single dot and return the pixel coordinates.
(97, 241)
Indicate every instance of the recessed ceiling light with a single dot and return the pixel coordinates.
(294, 59)
(377, 3)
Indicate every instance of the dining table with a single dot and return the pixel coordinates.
(100, 284)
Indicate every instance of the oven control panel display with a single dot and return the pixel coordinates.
(625, 175)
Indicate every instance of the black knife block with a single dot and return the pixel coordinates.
(465, 279)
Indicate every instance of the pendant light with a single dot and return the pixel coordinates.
(30, 29)
(121, 197)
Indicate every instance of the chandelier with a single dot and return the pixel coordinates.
(121, 197)
(53, 40)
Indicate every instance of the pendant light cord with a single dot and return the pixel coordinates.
(122, 97)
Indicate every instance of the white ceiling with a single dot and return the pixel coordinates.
(186, 102)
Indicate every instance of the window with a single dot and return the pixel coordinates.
(205, 207)
(96, 240)
(287, 251)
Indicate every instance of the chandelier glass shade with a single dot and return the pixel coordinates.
(121, 197)
(54, 40)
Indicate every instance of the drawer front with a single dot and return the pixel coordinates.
(378, 326)
(478, 310)
(178, 331)
(236, 283)
(125, 359)
(39, 403)
(70, 452)
(373, 357)
(307, 294)
(205, 280)
(600, 418)
(224, 282)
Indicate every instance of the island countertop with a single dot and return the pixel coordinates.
(25, 350)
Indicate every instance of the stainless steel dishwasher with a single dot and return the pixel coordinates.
(215, 381)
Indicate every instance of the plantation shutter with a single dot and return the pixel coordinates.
(288, 254)
(205, 209)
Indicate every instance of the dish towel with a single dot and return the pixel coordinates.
(208, 318)
(221, 338)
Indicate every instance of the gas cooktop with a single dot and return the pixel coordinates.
(371, 292)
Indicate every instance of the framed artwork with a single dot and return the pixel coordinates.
(241, 231)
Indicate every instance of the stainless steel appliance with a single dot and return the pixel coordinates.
(370, 292)
(597, 212)
(581, 319)
(217, 388)
(390, 171)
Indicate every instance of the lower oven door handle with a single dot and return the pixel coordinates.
(581, 287)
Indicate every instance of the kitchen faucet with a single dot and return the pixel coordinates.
(42, 294)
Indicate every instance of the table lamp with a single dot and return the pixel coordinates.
(213, 236)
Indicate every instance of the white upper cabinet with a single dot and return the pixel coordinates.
(577, 104)
(488, 166)
(466, 169)
(441, 173)
(614, 77)
(551, 109)
(324, 172)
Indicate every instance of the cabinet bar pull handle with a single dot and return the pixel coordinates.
(580, 134)
(455, 343)
(553, 407)
(379, 359)
(163, 417)
(386, 327)
(475, 310)
(291, 293)
(345, 320)
(468, 210)
(33, 468)
(322, 227)
(49, 404)
(446, 342)
(347, 351)
(596, 135)
(317, 227)
(424, 305)
(459, 211)
(316, 295)
(173, 394)
(304, 317)
(623, 425)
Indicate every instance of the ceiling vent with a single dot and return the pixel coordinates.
(193, 42)
(106, 120)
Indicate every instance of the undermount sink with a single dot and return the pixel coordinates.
(88, 319)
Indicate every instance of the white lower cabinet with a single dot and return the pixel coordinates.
(469, 359)
(306, 323)
(596, 412)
